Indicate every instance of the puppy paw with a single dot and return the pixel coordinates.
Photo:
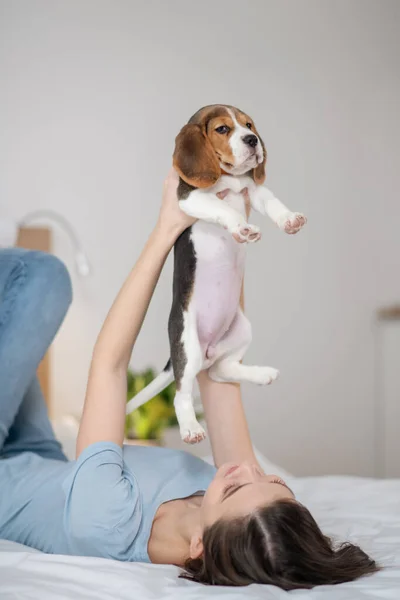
(246, 233)
(192, 433)
(265, 375)
(291, 222)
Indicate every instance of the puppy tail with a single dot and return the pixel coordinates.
(155, 387)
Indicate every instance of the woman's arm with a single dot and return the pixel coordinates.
(226, 421)
(103, 416)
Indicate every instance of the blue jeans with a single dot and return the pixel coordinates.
(35, 293)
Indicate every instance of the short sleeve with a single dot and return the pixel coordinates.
(103, 508)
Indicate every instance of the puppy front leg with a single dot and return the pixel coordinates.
(208, 207)
(264, 201)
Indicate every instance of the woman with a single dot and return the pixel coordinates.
(231, 526)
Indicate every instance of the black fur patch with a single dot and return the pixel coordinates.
(184, 270)
(184, 189)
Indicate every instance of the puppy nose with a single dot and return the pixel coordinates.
(251, 140)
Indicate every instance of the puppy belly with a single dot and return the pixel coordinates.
(220, 264)
(216, 297)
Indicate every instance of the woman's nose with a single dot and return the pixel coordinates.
(251, 470)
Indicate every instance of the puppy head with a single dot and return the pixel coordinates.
(218, 139)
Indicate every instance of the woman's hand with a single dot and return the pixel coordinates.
(172, 220)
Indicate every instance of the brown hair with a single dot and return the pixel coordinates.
(280, 544)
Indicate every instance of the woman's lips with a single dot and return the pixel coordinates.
(231, 470)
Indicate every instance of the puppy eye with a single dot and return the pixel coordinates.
(248, 125)
(222, 129)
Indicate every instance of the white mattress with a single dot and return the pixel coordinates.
(361, 510)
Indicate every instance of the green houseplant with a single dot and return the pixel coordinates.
(149, 420)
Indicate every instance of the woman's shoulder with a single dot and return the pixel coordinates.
(135, 455)
(163, 468)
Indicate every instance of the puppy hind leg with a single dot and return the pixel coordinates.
(231, 350)
(187, 361)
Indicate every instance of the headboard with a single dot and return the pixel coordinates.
(39, 238)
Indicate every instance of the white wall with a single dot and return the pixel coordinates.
(93, 93)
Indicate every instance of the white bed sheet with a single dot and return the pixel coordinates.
(362, 510)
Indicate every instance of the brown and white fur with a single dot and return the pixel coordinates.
(219, 151)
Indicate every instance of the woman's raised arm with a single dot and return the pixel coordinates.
(103, 416)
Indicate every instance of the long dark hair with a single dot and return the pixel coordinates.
(280, 544)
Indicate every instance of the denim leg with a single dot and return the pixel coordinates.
(35, 292)
(31, 430)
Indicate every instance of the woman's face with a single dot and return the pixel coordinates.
(239, 489)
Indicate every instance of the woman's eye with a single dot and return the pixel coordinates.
(278, 480)
(222, 129)
(228, 489)
(248, 125)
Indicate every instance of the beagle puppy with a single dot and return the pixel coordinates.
(219, 151)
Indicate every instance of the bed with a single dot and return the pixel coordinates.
(362, 510)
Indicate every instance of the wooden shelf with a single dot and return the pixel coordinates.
(389, 313)
(39, 238)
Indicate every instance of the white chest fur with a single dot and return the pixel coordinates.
(213, 241)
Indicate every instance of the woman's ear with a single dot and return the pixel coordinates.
(194, 157)
(259, 170)
(196, 548)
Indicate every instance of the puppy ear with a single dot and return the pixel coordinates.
(259, 171)
(194, 157)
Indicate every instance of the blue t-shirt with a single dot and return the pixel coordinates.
(102, 504)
